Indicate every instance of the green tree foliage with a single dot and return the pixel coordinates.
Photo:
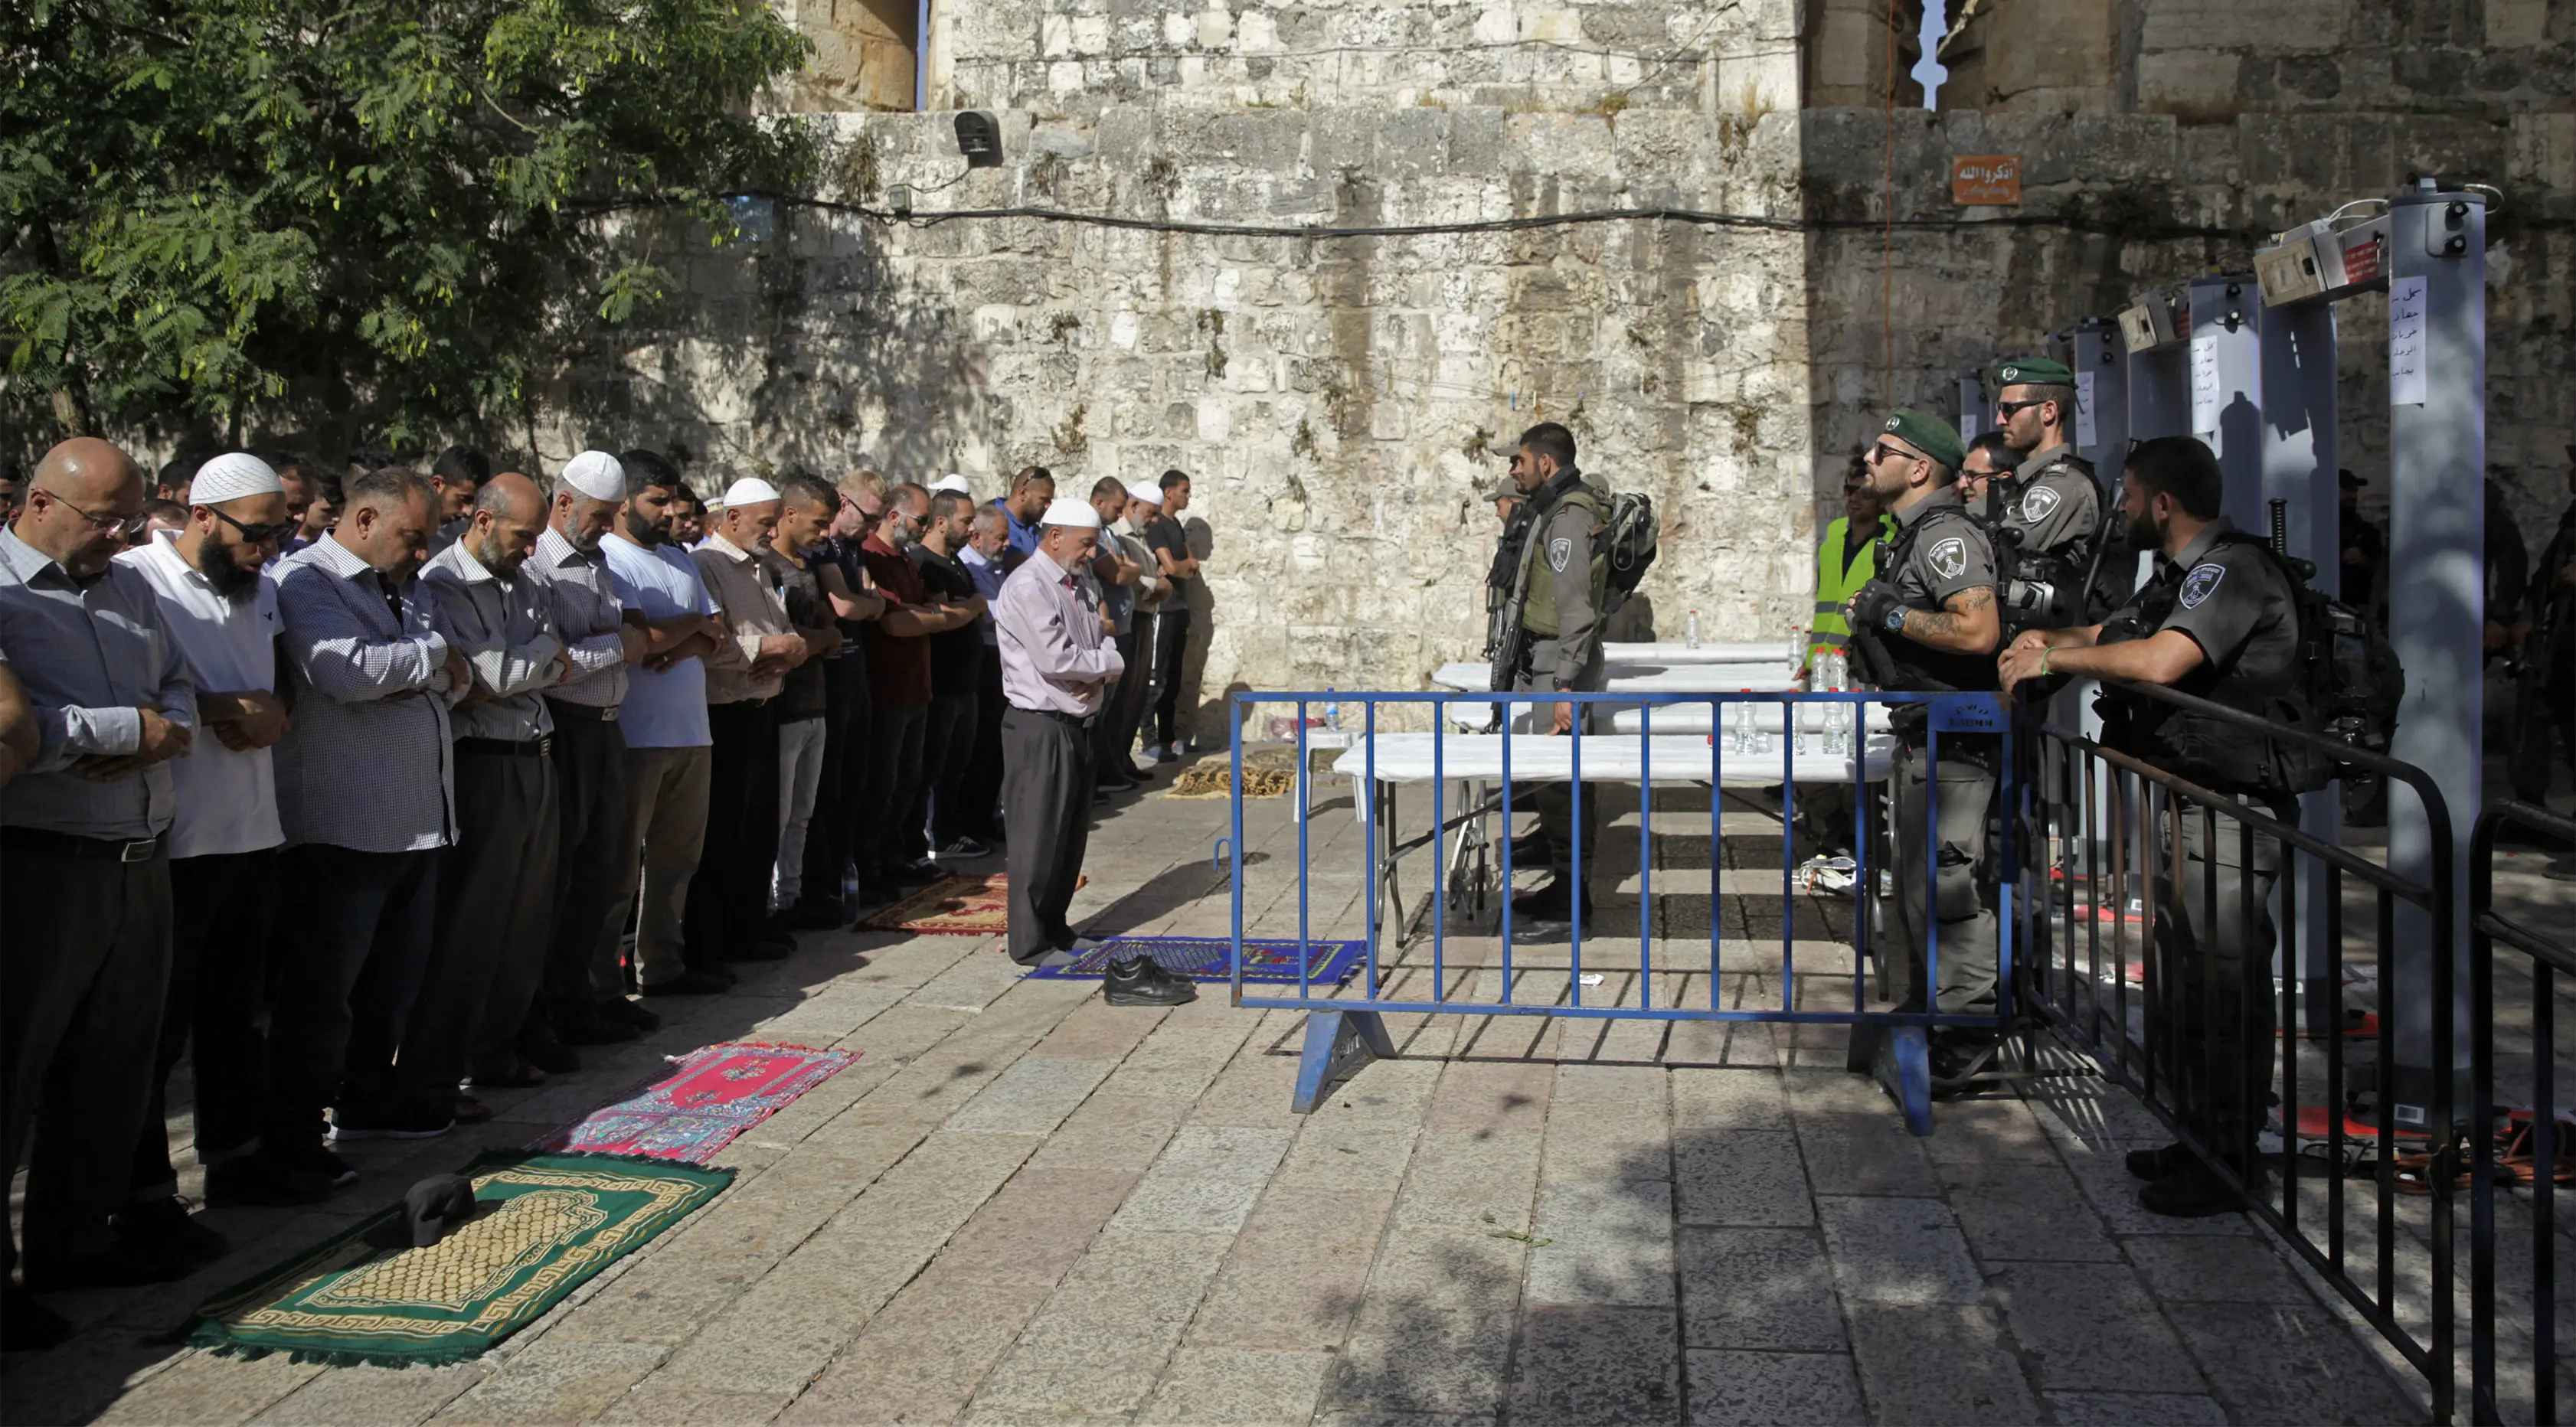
(223, 212)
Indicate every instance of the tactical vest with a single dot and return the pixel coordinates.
(1836, 584)
(1920, 668)
(1538, 584)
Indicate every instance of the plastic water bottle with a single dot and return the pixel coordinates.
(1332, 713)
(1690, 633)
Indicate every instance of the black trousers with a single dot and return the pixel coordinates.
(1125, 708)
(496, 890)
(593, 859)
(352, 953)
(894, 749)
(979, 796)
(947, 742)
(81, 988)
(1171, 642)
(223, 909)
(729, 896)
(1047, 779)
(845, 773)
(2217, 982)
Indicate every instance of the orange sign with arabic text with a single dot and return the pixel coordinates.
(1985, 178)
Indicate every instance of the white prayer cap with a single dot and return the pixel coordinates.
(951, 482)
(1066, 511)
(1148, 494)
(230, 477)
(597, 475)
(750, 490)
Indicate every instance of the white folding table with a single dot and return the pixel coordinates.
(1390, 760)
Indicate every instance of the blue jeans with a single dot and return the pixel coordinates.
(355, 935)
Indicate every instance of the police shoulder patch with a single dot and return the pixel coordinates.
(2038, 504)
(2200, 584)
(1559, 550)
(1949, 557)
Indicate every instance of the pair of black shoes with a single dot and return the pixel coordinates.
(155, 1241)
(2180, 1186)
(1548, 909)
(1141, 981)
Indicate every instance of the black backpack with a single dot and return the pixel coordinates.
(1627, 541)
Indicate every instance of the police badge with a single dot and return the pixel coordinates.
(1949, 557)
(2200, 584)
(2036, 506)
(1559, 551)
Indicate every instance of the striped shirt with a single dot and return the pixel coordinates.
(365, 763)
(91, 657)
(506, 630)
(586, 615)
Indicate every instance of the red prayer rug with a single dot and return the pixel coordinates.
(710, 1096)
(954, 906)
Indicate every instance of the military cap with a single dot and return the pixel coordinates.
(2033, 371)
(1928, 434)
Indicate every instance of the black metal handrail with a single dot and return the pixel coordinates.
(2147, 1064)
(2551, 957)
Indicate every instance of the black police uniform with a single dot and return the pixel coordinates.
(1938, 552)
(2236, 603)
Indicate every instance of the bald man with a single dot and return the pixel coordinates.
(496, 884)
(84, 874)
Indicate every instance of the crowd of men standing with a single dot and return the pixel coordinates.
(354, 782)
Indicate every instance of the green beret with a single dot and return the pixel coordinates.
(2033, 371)
(1930, 435)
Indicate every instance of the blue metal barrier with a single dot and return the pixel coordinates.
(1346, 1030)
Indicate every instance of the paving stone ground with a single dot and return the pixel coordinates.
(1022, 1205)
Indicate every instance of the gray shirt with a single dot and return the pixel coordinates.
(365, 763)
(2226, 594)
(2055, 500)
(1948, 553)
(1565, 543)
(505, 628)
(91, 655)
(586, 616)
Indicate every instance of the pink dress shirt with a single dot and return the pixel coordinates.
(1054, 657)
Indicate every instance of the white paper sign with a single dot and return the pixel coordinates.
(2206, 399)
(2085, 433)
(2406, 341)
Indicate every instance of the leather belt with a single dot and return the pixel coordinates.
(537, 747)
(103, 849)
(594, 712)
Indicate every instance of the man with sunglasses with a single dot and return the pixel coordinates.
(1928, 622)
(224, 841)
(2050, 511)
(84, 875)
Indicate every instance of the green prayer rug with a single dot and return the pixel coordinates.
(543, 1225)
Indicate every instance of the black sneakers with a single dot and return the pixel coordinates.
(1140, 981)
(2157, 1164)
(1548, 910)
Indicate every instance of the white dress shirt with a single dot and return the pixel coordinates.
(227, 801)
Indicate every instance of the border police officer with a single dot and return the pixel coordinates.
(1928, 621)
(1555, 645)
(2048, 513)
(2220, 621)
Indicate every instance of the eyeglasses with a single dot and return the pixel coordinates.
(260, 534)
(1884, 452)
(106, 522)
(2005, 409)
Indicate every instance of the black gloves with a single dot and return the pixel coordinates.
(1877, 606)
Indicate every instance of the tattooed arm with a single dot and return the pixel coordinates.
(1965, 624)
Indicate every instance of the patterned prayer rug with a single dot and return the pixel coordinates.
(1210, 958)
(544, 1224)
(710, 1096)
(956, 906)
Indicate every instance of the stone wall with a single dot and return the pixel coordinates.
(1342, 403)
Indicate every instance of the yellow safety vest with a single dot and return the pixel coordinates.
(1836, 584)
